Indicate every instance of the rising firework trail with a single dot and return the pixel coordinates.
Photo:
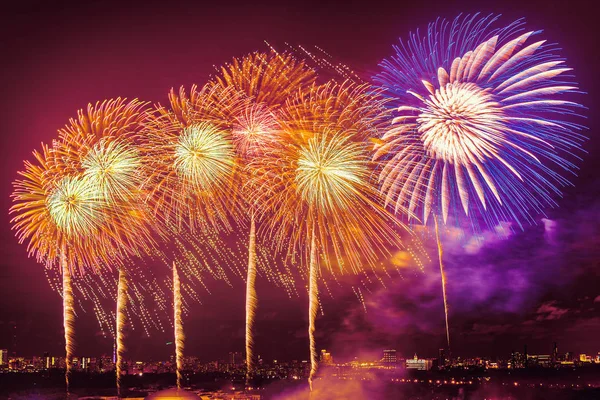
(250, 299)
(483, 126)
(443, 275)
(313, 308)
(121, 318)
(178, 325)
(68, 315)
(268, 80)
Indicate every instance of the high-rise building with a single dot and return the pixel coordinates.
(3, 357)
(389, 357)
(326, 358)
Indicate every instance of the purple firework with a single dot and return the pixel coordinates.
(483, 122)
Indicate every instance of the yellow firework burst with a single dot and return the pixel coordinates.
(204, 156)
(190, 152)
(115, 167)
(328, 172)
(75, 206)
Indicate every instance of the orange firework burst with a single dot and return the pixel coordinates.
(100, 146)
(316, 186)
(268, 79)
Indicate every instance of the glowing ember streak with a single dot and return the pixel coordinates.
(270, 78)
(121, 318)
(68, 316)
(178, 323)
(313, 308)
(443, 275)
(251, 299)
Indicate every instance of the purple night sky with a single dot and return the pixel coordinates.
(506, 288)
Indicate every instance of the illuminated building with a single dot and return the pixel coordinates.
(418, 364)
(584, 358)
(326, 358)
(3, 356)
(389, 357)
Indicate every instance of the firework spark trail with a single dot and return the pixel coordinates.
(178, 325)
(68, 315)
(313, 308)
(251, 300)
(443, 275)
(121, 321)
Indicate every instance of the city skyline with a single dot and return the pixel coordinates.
(509, 287)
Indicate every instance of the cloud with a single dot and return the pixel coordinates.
(549, 311)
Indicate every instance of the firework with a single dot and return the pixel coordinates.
(99, 145)
(61, 217)
(190, 151)
(482, 125)
(178, 322)
(315, 186)
(268, 79)
(190, 155)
